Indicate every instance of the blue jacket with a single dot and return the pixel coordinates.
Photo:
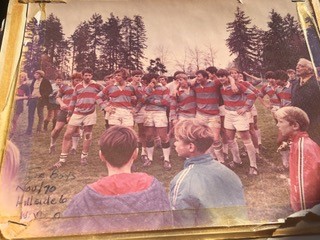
(91, 212)
(206, 193)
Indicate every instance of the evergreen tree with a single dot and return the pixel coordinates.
(95, 41)
(31, 60)
(112, 47)
(156, 66)
(139, 43)
(241, 41)
(283, 43)
(81, 43)
(128, 35)
(274, 41)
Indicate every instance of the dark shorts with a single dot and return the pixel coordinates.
(18, 108)
(53, 106)
(62, 116)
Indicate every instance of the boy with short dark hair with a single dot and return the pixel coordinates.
(304, 163)
(205, 192)
(122, 201)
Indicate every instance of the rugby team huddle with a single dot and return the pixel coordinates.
(223, 98)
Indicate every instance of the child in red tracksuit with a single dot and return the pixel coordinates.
(304, 161)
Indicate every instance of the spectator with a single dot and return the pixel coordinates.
(306, 95)
(304, 163)
(205, 192)
(122, 201)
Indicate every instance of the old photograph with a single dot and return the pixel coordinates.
(155, 115)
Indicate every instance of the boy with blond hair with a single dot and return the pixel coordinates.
(304, 161)
(121, 201)
(205, 192)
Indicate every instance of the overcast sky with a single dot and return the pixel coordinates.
(175, 24)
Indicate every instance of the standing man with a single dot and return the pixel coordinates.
(120, 96)
(82, 111)
(40, 90)
(157, 100)
(306, 95)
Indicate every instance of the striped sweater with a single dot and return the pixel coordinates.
(244, 98)
(157, 98)
(270, 91)
(207, 97)
(65, 93)
(183, 104)
(84, 98)
(116, 96)
(284, 94)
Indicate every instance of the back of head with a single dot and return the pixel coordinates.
(269, 74)
(117, 144)
(76, 75)
(212, 69)
(195, 131)
(147, 78)
(281, 75)
(294, 115)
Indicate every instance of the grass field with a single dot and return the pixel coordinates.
(267, 195)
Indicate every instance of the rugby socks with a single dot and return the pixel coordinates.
(217, 149)
(149, 150)
(234, 149)
(225, 148)
(53, 141)
(63, 157)
(251, 152)
(166, 151)
(258, 132)
(75, 141)
(84, 155)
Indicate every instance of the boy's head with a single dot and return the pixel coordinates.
(270, 77)
(193, 137)
(76, 78)
(150, 77)
(163, 80)
(234, 72)
(121, 75)
(281, 77)
(223, 76)
(212, 72)
(291, 73)
(202, 76)
(291, 120)
(118, 145)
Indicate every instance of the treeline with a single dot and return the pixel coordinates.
(102, 45)
(258, 51)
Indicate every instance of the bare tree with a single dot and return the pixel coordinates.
(182, 64)
(209, 56)
(196, 56)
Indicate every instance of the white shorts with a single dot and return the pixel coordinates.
(121, 116)
(86, 120)
(140, 116)
(156, 119)
(182, 116)
(213, 121)
(222, 110)
(234, 121)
